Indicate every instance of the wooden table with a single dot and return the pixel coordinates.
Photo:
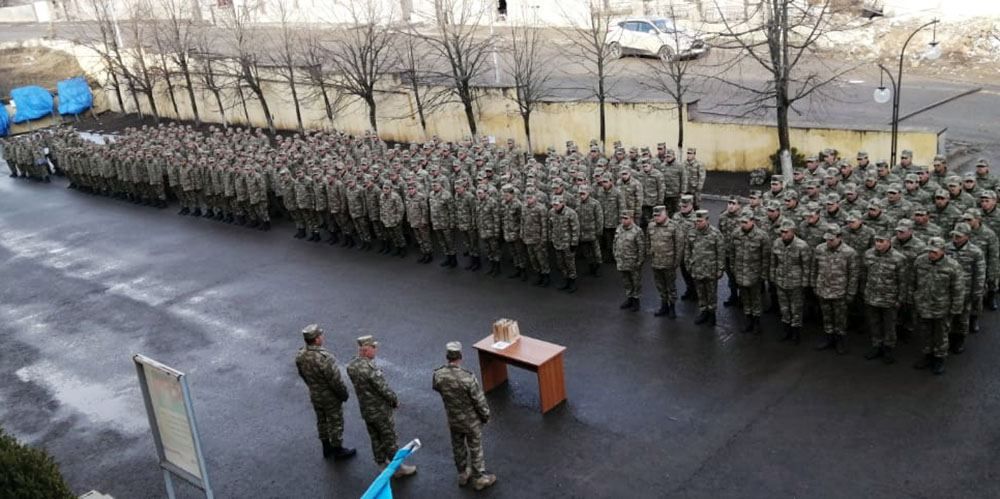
(541, 357)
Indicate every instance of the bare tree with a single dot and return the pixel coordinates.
(244, 38)
(284, 55)
(163, 68)
(104, 38)
(144, 75)
(361, 54)
(417, 75)
(598, 59)
(531, 69)
(464, 50)
(313, 50)
(176, 39)
(782, 37)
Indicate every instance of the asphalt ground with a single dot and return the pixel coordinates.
(656, 408)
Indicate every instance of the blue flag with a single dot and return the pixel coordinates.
(381, 488)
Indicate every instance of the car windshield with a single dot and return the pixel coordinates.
(663, 25)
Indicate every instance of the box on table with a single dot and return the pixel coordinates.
(506, 330)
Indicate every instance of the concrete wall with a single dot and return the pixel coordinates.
(24, 13)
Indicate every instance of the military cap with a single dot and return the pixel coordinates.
(687, 199)
(885, 236)
(557, 199)
(831, 231)
(669, 152)
(746, 216)
(659, 209)
(862, 155)
(367, 341)
(583, 188)
(790, 195)
(953, 180)
(755, 194)
(961, 229)
(904, 224)
(812, 183)
(969, 176)
(854, 215)
(777, 179)
(701, 214)
(936, 243)
(872, 176)
(625, 171)
(920, 211)
(832, 198)
(972, 214)
(831, 173)
(811, 159)
(627, 213)
(906, 153)
(786, 225)
(982, 162)
(941, 193)
(386, 185)
(882, 163)
(734, 199)
(661, 145)
(987, 194)
(606, 177)
(894, 188)
(453, 350)
(812, 207)
(774, 205)
(507, 188)
(692, 150)
(911, 177)
(850, 188)
(875, 203)
(311, 332)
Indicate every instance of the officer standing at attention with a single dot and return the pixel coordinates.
(327, 391)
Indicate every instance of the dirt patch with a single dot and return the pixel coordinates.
(35, 66)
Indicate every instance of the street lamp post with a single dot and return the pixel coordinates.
(897, 82)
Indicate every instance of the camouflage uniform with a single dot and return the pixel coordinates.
(488, 222)
(973, 264)
(513, 210)
(591, 216)
(465, 223)
(467, 411)
(630, 252)
(665, 247)
(564, 233)
(391, 213)
(835, 282)
(612, 203)
(749, 254)
(705, 258)
(534, 234)
(884, 285)
(939, 293)
(418, 216)
(376, 401)
(327, 391)
(791, 264)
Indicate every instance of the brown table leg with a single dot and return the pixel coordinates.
(551, 383)
(494, 370)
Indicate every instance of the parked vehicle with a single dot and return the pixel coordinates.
(653, 36)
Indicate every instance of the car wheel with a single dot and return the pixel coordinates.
(614, 50)
(665, 54)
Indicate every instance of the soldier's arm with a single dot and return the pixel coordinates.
(902, 284)
(574, 229)
(702, 175)
(852, 276)
(765, 258)
(720, 255)
(958, 290)
(979, 276)
(478, 399)
(600, 219)
(335, 382)
(378, 381)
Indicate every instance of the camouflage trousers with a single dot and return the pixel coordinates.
(791, 302)
(608, 245)
(329, 418)
(518, 253)
(311, 219)
(708, 294)
(470, 240)
(752, 298)
(960, 322)
(934, 333)
(689, 284)
(378, 230)
(566, 263)
(363, 228)
(882, 325)
(632, 281)
(343, 222)
(259, 212)
(382, 432)
(666, 283)
(467, 448)
(423, 236)
(834, 315)
(538, 257)
(446, 241)
(157, 191)
(591, 251)
(394, 235)
(491, 246)
(296, 216)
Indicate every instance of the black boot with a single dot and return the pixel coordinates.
(973, 324)
(957, 342)
(428, 257)
(887, 357)
(572, 286)
(688, 295)
(671, 310)
(517, 273)
(453, 259)
(664, 309)
(750, 324)
(349, 241)
(241, 221)
(711, 318)
(300, 234)
(494, 269)
(564, 286)
(926, 361)
(874, 353)
(477, 263)
(472, 264)
(937, 367)
(626, 304)
(841, 344)
(991, 301)
(447, 262)
(196, 212)
(315, 237)
(796, 335)
(788, 333)
(401, 252)
(829, 341)
(229, 218)
(327, 448)
(702, 318)
(333, 239)
(265, 226)
(219, 216)
(207, 214)
(253, 224)
(546, 280)
(635, 305)
(538, 280)
(340, 453)
(184, 211)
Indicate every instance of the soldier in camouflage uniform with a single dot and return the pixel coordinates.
(377, 402)
(705, 259)
(564, 233)
(356, 208)
(535, 235)
(612, 203)
(729, 221)
(391, 213)
(939, 294)
(943, 213)
(652, 189)
(630, 252)
(884, 284)
(631, 190)
(984, 237)
(513, 211)
(694, 171)
(489, 218)
(790, 267)
(327, 391)
(972, 260)
(835, 281)
(467, 411)
(591, 216)
(685, 218)
(464, 203)
(419, 218)
(665, 247)
(749, 254)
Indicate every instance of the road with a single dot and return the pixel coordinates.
(656, 408)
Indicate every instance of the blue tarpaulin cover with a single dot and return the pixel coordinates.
(74, 96)
(4, 121)
(32, 102)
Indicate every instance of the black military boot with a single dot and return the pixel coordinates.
(991, 301)
(340, 453)
(477, 263)
(219, 216)
(428, 257)
(664, 309)
(196, 212)
(750, 324)
(300, 234)
(829, 341)
(265, 226)
(349, 241)
(495, 268)
(875, 353)
(636, 306)
(796, 335)
(788, 333)
(333, 239)
(926, 361)
(887, 357)
(546, 280)
(711, 318)
(184, 211)
(671, 310)
(626, 304)
(538, 280)
(401, 251)
(447, 261)
(327, 448)
(702, 318)
(572, 286)
(937, 366)
(253, 224)
(516, 274)
(229, 218)
(315, 237)
(973, 324)
(957, 343)
(207, 214)
(688, 295)
(841, 344)
(241, 220)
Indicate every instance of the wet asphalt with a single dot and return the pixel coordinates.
(656, 408)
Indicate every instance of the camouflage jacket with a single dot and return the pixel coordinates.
(946, 217)
(973, 264)
(791, 263)
(629, 248)
(939, 289)
(355, 201)
(749, 256)
(705, 253)
(665, 244)
(695, 173)
(986, 239)
(318, 368)
(391, 209)
(417, 211)
(652, 187)
(564, 228)
(441, 207)
(373, 202)
(512, 211)
(534, 224)
(859, 240)
(591, 215)
(304, 193)
(375, 398)
(884, 281)
(465, 211)
(674, 179)
(612, 202)
(463, 398)
(632, 195)
(835, 272)
(488, 218)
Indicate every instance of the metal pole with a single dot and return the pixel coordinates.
(899, 89)
(895, 111)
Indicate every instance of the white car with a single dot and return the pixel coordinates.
(653, 36)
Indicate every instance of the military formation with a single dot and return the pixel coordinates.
(839, 245)
(464, 403)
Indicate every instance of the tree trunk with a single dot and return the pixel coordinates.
(326, 102)
(603, 124)
(118, 90)
(526, 119)
(680, 125)
(420, 107)
(370, 101)
(190, 90)
(469, 111)
(264, 107)
(295, 99)
(170, 85)
(243, 102)
(222, 109)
